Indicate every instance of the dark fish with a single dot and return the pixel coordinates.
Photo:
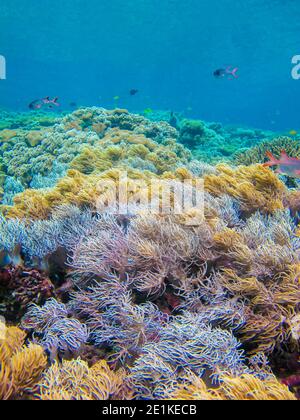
(40, 103)
(219, 73)
(51, 103)
(229, 71)
(37, 104)
(133, 92)
(73, 104)
(173, 120)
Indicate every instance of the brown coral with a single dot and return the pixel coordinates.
(19, 287)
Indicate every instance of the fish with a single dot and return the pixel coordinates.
(51, 103)
(293, 132)
(36, 104)
(73, 105)
(287, 165)
(133, 92)
(148, 111)
(40, 103)
(230, 72)
(116, 98)
(173, 120)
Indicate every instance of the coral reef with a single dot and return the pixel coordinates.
(212, 142)
(257, 154)
(139, 301)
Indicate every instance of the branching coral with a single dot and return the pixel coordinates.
(63, 140)
(20, 366)
(257, 154)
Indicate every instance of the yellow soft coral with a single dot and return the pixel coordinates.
(271, 308)
(245, 387)
(255, 187)
(118, 146)
(74, 380)
(21, 366)
(91, 191)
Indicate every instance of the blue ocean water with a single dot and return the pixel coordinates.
(88, 52)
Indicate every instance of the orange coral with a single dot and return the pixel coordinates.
(21, 366)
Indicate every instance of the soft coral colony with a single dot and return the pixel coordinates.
(142, 305)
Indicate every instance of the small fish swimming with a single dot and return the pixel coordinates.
(116, 98)
(40, 103)
(37, 104)
(133, 92)
(230, 72)
(293, 133)
(287, 165)
(51, 103)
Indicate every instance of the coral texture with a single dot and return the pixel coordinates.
(122, 300)
(21, 366)
(245, 387)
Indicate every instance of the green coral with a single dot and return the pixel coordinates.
(192, 133)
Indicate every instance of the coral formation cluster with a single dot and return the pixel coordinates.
(201, 303)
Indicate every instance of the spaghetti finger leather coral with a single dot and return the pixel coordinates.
(21, 366)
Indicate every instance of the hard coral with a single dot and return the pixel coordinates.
(257, 154)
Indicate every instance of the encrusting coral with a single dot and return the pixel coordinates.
(21, 366)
